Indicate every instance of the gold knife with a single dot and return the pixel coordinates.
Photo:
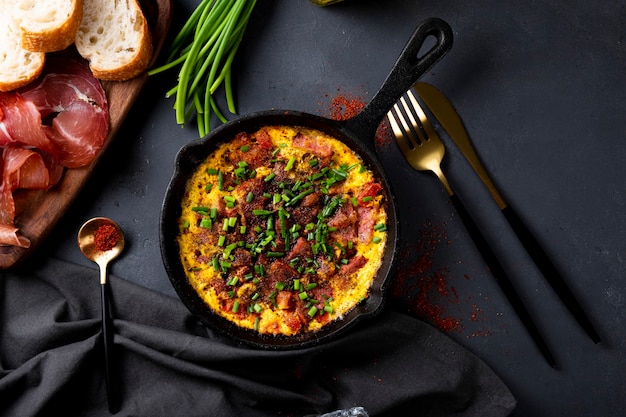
(445, 113)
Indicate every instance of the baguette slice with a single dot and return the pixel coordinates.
(47, 25)
(114, 37)
(18, 66)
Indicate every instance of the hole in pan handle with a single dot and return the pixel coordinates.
(410, 66)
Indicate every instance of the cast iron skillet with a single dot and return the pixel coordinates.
(358, 133)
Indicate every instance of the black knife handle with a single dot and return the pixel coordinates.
(502, 278)
(549, 271)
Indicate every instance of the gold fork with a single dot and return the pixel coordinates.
(423, 149)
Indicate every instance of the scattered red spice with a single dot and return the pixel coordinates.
(344, 106)
(105, 237)
(429, 293)
(426, 290)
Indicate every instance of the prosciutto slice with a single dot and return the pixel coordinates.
(20, 124)
(74, 102)
(59, 121)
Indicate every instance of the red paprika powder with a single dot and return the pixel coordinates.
(105, 237)
(345, 106)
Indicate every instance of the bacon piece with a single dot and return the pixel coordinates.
(278, 271)
(366, 224)
(255, 154)
(284, 300)
(263, 139)
(369, 190)
(75, 102)
(345, 221)
(294, 321)
(355, 264)
(302, 248)
(322, 149)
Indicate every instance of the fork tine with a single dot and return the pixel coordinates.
(402, 132)
(424, 122)
(416, 127)
(408, 132)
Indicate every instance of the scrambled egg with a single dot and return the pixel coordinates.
(282, 230)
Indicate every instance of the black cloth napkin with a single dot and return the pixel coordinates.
(168, 364)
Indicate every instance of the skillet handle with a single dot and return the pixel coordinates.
(407, 70)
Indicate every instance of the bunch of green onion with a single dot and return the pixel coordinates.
(204, 49)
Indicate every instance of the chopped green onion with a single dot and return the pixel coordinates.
(290, 164)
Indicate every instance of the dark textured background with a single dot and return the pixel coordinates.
(540, 86)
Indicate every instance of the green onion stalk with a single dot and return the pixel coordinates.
(204, 51)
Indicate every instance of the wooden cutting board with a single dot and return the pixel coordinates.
(37, 212)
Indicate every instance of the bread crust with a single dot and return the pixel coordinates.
(13, 83)
(56, 38)
(18, 67)
(24, 46)
(132, 68)
(114, 62)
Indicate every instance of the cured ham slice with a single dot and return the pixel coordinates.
(10, 237)
(25, 168)
(20, 124)
(22, 169)
(59, 121)
(74, 108)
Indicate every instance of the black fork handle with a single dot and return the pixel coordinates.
(502, 278)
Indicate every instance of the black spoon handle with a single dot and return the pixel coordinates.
(502, 278)
(107, 334)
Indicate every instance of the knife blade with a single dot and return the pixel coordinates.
(445, 113)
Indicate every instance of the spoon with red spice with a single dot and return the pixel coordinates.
(101, 240)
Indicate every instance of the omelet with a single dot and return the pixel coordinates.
(282, 230)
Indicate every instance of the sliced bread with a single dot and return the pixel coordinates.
(115, 38)
(18, 67)
(47, 25)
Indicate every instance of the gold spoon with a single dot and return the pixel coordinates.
(101, 240)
